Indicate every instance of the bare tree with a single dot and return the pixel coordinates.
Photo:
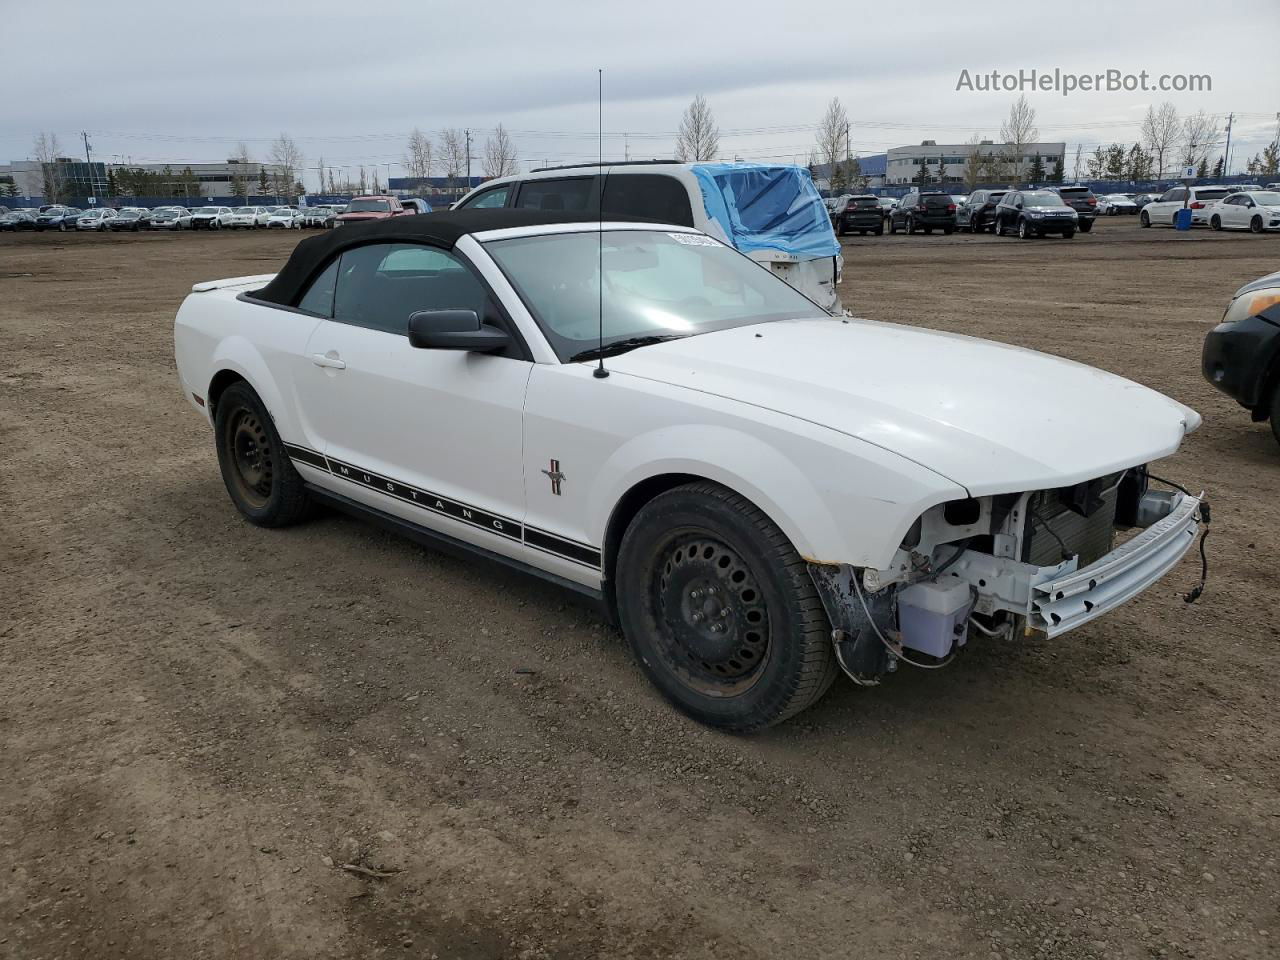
(1200, 133)
(699, 137)
(1161, 131)
(499, 154)
(1018, 130)
(975, 164)
(288, 160)
(830, 141)
(453, 154)
(47, 149)
(419, 157)
(1075, 169)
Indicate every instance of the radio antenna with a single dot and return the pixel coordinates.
(600, 372)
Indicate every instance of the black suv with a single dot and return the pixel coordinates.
(1241, 355)
(1083, 202)
(978, 213)
(924, 210)
(860, 214)
(1034, 213)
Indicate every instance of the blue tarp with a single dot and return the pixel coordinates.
(767, 208)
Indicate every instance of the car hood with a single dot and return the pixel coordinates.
(1270, 280)
(990, 417)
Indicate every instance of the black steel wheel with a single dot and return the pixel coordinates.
(256, 470)
(720, 609)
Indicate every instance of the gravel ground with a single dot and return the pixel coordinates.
(202, 722)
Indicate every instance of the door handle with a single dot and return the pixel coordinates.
(325, 360)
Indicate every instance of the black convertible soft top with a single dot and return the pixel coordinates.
(442, 229)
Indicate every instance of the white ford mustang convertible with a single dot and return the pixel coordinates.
(762, 495)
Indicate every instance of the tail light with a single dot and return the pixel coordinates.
(951, 208)
(1197, 205)
(849, 206)
(1092, 201)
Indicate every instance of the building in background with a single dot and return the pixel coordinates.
(868, 174)
(80, 180)
(947, 162)
(436, 189)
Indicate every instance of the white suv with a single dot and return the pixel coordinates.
(771, 212)
(1198, 199)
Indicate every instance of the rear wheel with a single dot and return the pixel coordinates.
(720, 609)
(1215, 222)
(911, 225)
(1086, 226)
(1144, 219)
(1068, 234)
(893, 226)
(257, 472)
(948, 230)
(1024, 231)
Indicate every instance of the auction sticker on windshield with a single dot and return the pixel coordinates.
(693, 240)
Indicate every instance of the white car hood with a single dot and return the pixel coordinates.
(991, 417)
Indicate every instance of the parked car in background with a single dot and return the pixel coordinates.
(366, 209)
(57, 217)
(771, 212)
(886, 205)
(763, 493)
(1197, 199)
(322, 217)
(246, 218)
(167, 218)
(209, 218)
(1256, 211)
(414, 205)
(924, 210)
(98, 218)
(284, 218)
(1082, 201)
(19, 220)
(860, 214)
(1113, 204)
(1244, 187)
(1142, 199)
(1035, 213)
(1241, 355)
(979, 211)
(130, 219)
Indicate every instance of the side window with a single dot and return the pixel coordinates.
(380, 285)
(497, 197)
(650, 195)
(571, 195)
(319, 296)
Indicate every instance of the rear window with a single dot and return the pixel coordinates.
(1202, 194)
(1074, 192)
(573, 195)
(649, 195)
(865, 203)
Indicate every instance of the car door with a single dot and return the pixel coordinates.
(431, 436)
(1242, 209)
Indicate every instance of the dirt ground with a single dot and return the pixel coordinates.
(201, 722)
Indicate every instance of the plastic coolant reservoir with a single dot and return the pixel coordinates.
(931, 616)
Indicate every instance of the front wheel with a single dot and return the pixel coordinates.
(1024, 231)
(257, 472)
(893, 226)
(1068, 234)
(1144, 219)
(720, 610)
(1255, 225)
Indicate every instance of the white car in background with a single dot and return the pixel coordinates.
(167, 218)
(286, 218)
(1256, 211)
(762, 493)
(1116, 203)
(98, 218)
(209, 218)
(247, 218)
(1197, 199)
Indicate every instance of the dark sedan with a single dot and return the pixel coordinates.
(978, 213)
(860, 214)
(58, 218)
(18, 220)
(134, 220)
(1241, 355)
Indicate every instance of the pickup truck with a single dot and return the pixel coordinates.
(762, 495)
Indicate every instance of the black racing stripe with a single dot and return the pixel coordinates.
(559, 546)
(483, 519)
(310, 457)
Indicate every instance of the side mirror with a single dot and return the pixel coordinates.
(454, 330)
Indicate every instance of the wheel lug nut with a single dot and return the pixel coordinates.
(697, 618)
(724, 612)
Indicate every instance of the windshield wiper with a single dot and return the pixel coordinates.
(622, 346)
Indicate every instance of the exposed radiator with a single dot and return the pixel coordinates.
(1089, 536)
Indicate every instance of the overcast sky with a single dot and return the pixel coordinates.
(348, 81)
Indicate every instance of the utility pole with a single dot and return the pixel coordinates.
(468, 186)
(88, 164)
(1226, 154)
(626, 148)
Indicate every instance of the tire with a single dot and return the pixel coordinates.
(880, 230)
(1085, 227)
(714, 557)
(1215, 222)
(928, 231)
(1068, 234)
(62, 228)
(259, 477)
(1024, 230)
(1144, 219)
(840, 228)
(911, 225)
(1275, 414)
(1255, 225)
(948, 230)
(893, 226)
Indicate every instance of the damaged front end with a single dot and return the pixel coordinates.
(1043, 561)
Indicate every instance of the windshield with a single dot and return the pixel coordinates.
(1266, 197)
(1042, 199)
(367, 206)
(655, 284)
(244, 210)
